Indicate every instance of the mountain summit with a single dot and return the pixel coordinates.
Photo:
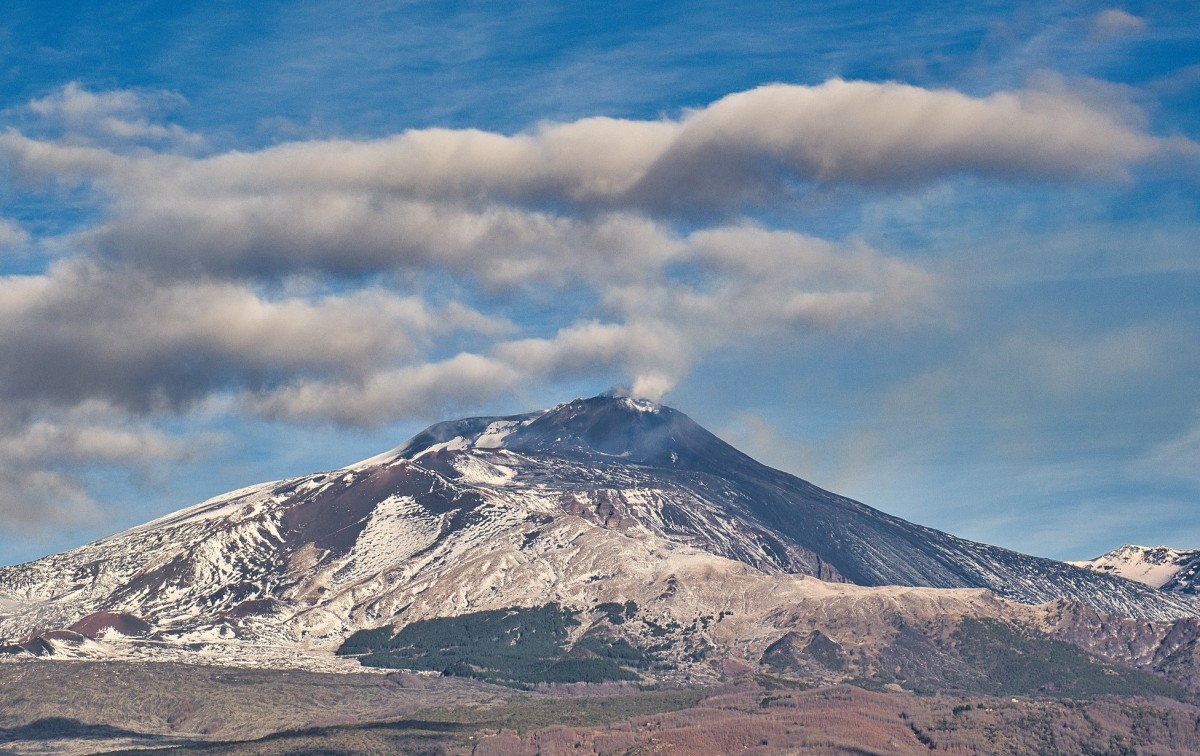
(636, 431)
(779, 522)
(597, 501)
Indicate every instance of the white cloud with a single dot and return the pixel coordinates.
(839, 131)
(47, 459)
(1177, 458)
(75, 104)
(163, 304)
(1114, 22)
(756, 284)
(630, 235)
(11, 234)
(423, 390)
(752, 144)
(349, 235)
(561, 201)
(751, 280)
(115, 115)
(33, 161)
(34, 502)
(60, 443)
(87, 332)
(653, 355)
(82, 332)
(590, 347)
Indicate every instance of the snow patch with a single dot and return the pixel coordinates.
(218, 506)
(481, 472)
(1154, 566)
(458, 443)
(640, 405)
(493, 436)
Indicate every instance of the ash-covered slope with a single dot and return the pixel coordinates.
(795, 526)
(1159, 567)
(601, 499)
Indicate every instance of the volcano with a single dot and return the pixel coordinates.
(600, 501)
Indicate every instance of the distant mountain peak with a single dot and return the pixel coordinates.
(1161, 567)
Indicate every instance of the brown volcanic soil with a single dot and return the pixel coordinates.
(845, 719)
(754, 719)
(95, 625)
(183, 700)
(334, 518)
(96, 707)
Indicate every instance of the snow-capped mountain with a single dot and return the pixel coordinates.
(607, 499)
(1156, 566)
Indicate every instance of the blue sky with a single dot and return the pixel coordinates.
(945, 263)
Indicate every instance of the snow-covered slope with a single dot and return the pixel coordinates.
(601, 499)
(1156, 566)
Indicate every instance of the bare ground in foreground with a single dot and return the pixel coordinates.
(64, 707)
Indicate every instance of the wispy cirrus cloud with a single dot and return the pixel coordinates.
(1172, 459)
(1115, 22)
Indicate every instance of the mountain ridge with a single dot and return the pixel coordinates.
(596, 501)
(677, 442)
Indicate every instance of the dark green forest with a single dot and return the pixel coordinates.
(519, 646)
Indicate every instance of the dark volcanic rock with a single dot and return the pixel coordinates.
(98, 623)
